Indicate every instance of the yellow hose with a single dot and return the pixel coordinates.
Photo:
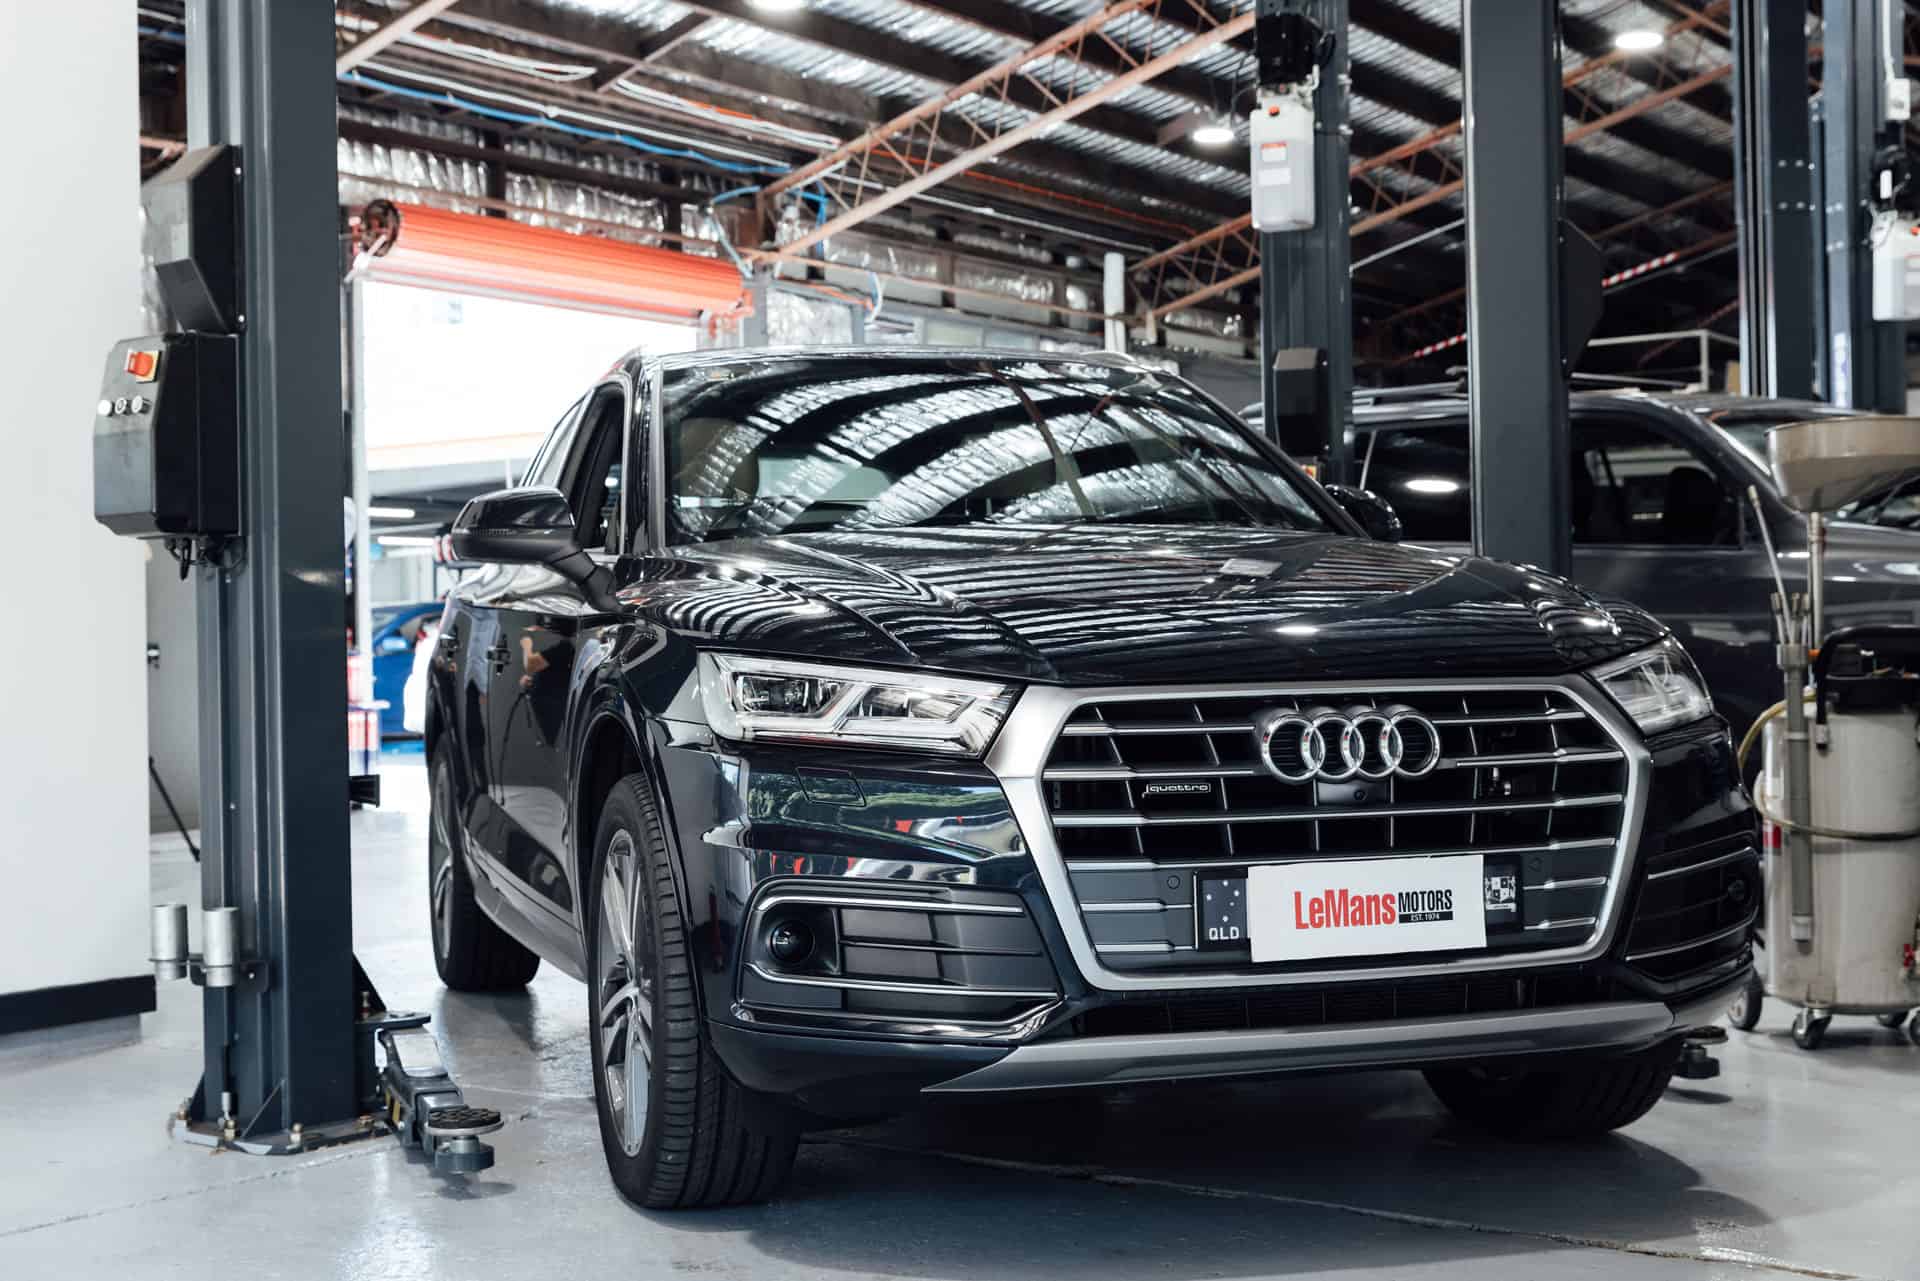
(1753, 733)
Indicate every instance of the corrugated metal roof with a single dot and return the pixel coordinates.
(1228, 68)
(1666, 152)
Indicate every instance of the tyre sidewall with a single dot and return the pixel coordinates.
(457, 883)
(632, 1174)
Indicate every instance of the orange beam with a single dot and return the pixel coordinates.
(456, 250)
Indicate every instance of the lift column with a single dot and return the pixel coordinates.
(1775, 198)
(1517, 380)
(1865, 360)
(1306, 300)
(280, 1042)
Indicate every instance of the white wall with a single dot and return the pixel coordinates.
(173, 693)
(72, 684)
(460, 378)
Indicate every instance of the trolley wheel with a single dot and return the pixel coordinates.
(1744, 1013)
(1809, 1030)
(1892, 1022)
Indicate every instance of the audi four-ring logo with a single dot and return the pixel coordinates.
(1360, 742)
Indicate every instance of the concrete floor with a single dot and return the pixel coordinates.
(1789, 1164)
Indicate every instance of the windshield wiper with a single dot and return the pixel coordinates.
(737, 511)
(1201, 487)
(1063, 465)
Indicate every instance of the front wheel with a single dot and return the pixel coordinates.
(678, 1133)
(1575, 1100)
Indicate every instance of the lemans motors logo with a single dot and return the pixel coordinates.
(1345, 909)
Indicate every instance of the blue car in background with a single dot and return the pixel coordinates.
(396, 629)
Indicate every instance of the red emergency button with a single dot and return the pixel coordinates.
(143, 365)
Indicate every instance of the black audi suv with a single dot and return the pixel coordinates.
(864, 726)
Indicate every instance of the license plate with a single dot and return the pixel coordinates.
(1368, 907)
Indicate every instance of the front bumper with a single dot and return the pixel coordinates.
(940, 836)
(844, 1077)
(1613, 1026)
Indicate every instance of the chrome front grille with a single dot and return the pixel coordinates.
(1145, 794)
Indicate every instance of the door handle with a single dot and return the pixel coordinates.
(499, 656)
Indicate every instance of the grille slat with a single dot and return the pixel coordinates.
(1214, 769)
(1121, 818)
(1174, 787)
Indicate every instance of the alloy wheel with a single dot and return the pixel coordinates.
(440, 855)
(624, 993)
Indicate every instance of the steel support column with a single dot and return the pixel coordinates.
(1864, 361)
(1306, 296)
(273, 679)
(1517, 382)
(1774, 198)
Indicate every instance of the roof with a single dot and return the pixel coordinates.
(885, 351)
(706, 95)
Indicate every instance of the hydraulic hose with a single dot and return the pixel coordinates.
(1751, 737)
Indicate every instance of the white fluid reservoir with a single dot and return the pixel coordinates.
(1280, 144)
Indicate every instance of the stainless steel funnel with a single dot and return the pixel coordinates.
(1823, 465)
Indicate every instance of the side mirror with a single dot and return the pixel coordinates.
(532, 526)
(1372, 512)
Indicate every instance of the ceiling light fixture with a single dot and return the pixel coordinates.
(390, 513)
(1638, 40)
(777, 6)
(1216, 132)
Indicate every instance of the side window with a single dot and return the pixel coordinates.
(592, 480)
(546, 465)
(1424, 475)
(1633, 485)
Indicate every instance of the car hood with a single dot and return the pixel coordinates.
(1081, 604)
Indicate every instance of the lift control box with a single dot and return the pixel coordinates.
(165, 457)
(1896, 269)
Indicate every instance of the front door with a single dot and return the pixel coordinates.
(544, 620)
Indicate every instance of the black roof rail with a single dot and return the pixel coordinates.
(1413, 391)
(1625, 383)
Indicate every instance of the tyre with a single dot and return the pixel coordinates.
(677, 1131)
(471, 953)
(1744, 1013)
(1892, 1022)
(1570, 1101)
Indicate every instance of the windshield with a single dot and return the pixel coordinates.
(1896, 506)
(805, 444)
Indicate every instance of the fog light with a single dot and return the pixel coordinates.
(789, 943)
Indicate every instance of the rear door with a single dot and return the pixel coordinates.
(1660, 520)
(543, 619)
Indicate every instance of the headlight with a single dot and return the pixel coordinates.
(1659, 687)
(762, 698)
